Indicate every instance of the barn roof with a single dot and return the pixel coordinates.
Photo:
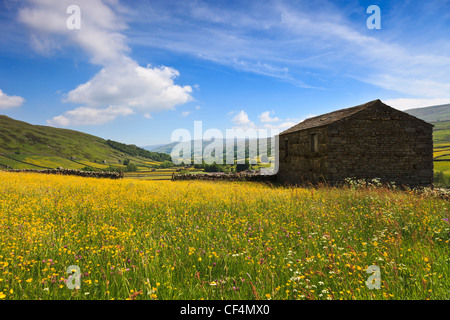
(334, 116)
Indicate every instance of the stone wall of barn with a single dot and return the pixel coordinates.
(381, 143)
(377, 142)
(300, 164)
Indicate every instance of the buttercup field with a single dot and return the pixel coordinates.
(217, 240)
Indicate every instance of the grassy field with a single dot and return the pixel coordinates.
(441, 147)
(38, 161)
(135, 239)
(7, 161)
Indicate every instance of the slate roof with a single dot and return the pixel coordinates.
(331, 117)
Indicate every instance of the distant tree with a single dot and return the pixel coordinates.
(112, 169)
(126, 162)
(131, 167)
(133, 150)
(441, 180)
(166, 164)
(212, 167)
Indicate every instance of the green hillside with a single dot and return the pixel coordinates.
(432, 114)
(23, 145)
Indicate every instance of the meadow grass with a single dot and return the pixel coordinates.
(136, 239)
(443, 166)
(6, 161)
(52, 162)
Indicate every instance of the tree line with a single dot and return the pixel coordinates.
(134, 150)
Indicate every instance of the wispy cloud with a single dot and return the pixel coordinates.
(298, 42)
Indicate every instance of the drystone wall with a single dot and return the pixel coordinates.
(225, 177)
(72, 172)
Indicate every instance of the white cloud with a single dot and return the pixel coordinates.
(89, 116)
(99, 34)
(242, 118)
(7, 102)
(405, 104)
(142, 89)
(242, 121)
(265, 117)
(185, 113)
(121, 81)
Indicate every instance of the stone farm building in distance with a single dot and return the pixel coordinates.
(368, 141)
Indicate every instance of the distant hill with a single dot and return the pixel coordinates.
(165, 148)
(203, 143)
(431, 114)
(21, 138)
(152, 147)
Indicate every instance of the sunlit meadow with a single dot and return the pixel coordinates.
(217, 240)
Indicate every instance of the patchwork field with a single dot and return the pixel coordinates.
(38, 161)
(135, 239)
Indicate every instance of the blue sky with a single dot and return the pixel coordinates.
(135, 71)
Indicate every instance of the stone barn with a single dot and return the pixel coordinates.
(372, 140)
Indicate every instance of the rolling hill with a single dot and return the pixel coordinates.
(23, 145)
(432, 113)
